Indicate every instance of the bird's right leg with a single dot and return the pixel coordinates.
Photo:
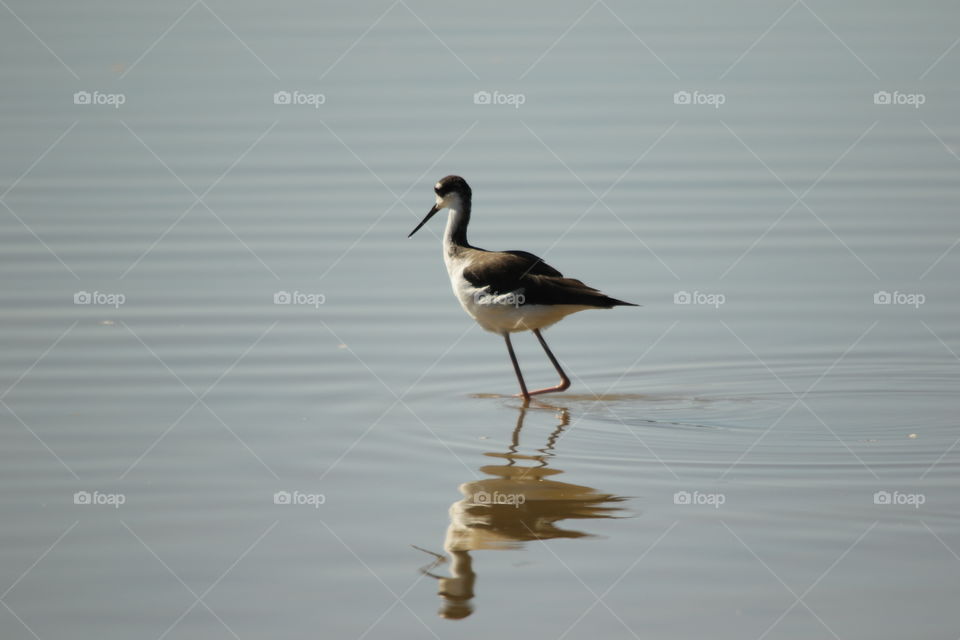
(516, 367)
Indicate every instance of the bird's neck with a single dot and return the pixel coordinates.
(457, 220)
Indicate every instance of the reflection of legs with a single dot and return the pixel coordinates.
(564, 380)
(438, 560)
(516, 367)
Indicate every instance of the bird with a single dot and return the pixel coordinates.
(507, 291)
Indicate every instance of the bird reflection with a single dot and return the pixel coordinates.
(519, 502)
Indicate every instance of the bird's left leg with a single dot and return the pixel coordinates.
(564, 380)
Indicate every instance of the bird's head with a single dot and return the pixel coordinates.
(452, 192)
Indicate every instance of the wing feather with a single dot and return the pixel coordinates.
(523, 273)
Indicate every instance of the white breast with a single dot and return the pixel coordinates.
(501, 313)
(505, 312)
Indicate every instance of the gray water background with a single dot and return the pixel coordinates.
(199, 199)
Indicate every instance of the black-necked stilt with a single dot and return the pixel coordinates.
(507, 291)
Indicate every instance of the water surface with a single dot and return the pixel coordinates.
(776, 459)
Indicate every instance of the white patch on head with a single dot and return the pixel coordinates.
(436, 186)
(452, 201)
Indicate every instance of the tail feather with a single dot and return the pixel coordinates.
(552, 290)
(620, 303)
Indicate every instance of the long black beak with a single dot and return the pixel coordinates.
(430, 213)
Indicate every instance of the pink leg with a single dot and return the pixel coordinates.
(564, 380)
(516, 367)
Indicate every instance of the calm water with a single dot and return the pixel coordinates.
(776, 459)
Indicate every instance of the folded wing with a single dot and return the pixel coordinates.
(523, 273)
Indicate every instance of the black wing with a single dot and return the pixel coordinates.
(536, 265)
(501, 272)
(505, 271)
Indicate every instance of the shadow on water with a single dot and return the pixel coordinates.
(588, 397)
(517, 503)
(601, 407)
